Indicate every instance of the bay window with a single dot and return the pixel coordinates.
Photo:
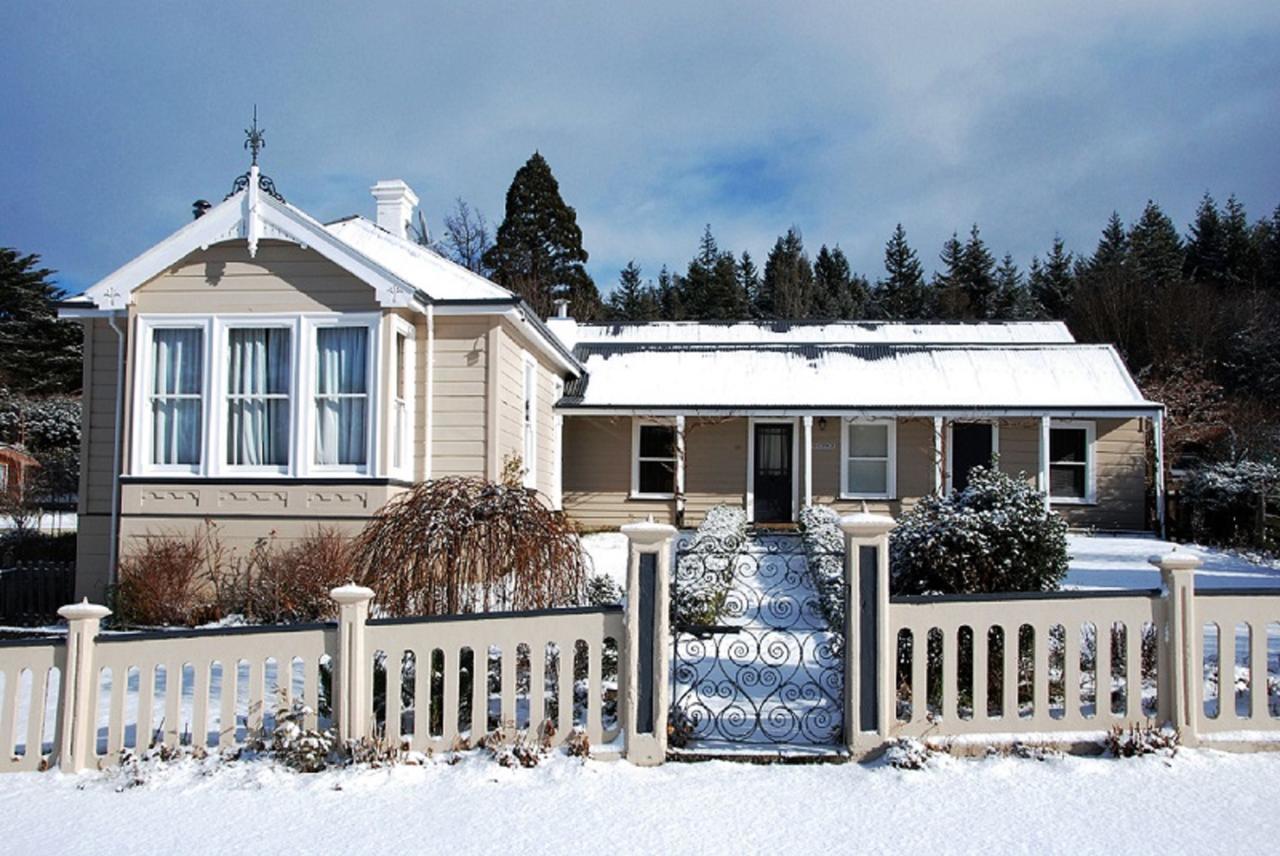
(177, 397)
(1071, 476)
(259, 361)
(342, 396)
(869, 454)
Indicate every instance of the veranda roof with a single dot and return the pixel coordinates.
(813, 377)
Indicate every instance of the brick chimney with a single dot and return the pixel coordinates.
(396, 201)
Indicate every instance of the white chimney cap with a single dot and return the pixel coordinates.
(396, 201)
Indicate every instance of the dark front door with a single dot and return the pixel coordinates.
(773, 473)
(970, 447)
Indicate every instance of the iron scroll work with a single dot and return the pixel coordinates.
(756, 664)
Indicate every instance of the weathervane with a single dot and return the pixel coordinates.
(255, 137)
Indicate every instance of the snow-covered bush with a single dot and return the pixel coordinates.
(993, 536)
(40, 423)
(704, 571)
(1224, 502)
(907, 753)
(603, 591)
(306, 750)
(1142, 739)
(824, 549)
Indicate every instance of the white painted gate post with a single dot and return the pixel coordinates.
(78, 726)
(352, 699)
(646, 662)
(869, 655)
(1179, 648)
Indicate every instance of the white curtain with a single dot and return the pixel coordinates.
(342, 355)
(258, 397)
(176, 390)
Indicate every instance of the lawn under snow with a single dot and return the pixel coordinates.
(1198, 801)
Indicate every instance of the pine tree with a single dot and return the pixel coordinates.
(1266, 238)
(1243, 261)
(901, 295)
(670, 305)
(1206, 252)
(710, 289)
(837, 292)
(1112, 252)
(1013, 300)
(1053, 283)
(538, 253)
(38, 353)
(749, 281)
(1155, 250)
(978, 281)
(787, 290)
(632, 300)
(947, 283)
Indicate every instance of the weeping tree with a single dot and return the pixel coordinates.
(459, 544)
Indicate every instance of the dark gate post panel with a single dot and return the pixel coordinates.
(644, 678)
(868, 651)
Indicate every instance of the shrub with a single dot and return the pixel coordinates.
(457, 544)
(906, 753)
(1142, 739)
(287, 584)
(704, 571)
(1225, 502)
(603, 591)
(166, 581)
(993, 536)
(824, 550)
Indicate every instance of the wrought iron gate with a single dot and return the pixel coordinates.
(756, 664)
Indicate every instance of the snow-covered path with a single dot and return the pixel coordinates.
(1197, 802)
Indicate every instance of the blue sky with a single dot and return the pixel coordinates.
(840, 118)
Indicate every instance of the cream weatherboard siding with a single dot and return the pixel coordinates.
(513, 347)
(597, 462)
(459, 434)
(93, 537)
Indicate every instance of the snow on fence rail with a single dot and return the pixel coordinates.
(81, 701)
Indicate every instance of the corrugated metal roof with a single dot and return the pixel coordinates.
(828, 332)
(655, 376)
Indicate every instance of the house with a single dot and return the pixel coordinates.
(272, 373)
(16, 468)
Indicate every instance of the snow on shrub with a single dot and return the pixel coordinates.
(993, 536)
(704, 571)
(1142, 739)
(1224, 502)
(907, 753)
(824, 550)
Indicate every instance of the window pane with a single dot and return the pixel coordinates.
(342, 360)
(340, 431)
(657, 441)
(868, 441)
(1066, 481)
(1067, 444)
(179, 357)
(402, 368)
(258, 432)
(258, 361)
(175, 431)
(657, 477)
(868, 477)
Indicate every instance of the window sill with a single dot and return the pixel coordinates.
(877, 496)
(1081, 501)
(663, 496)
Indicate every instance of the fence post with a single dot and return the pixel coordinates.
(644, 673)
(78, 725)
(869, 655)
(352, 701)
(1179, 668)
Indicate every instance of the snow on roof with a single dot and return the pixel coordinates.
(733, 377)
(830, 332)
(427, 271)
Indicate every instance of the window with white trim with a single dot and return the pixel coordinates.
(176, 397)
(259, 377)
(342, 396)
(400, 402)
(1071, 477)
(653, 472)
(869, 465)
(530, 399)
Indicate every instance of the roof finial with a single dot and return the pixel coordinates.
(255, 137)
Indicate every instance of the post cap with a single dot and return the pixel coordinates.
(646, 532)
(864, 524)
(83, 610)
(351, 593)
(1176, 560)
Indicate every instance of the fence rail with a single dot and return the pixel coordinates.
(31, 592)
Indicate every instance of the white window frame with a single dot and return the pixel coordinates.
(142, 423)
(995, 441)
(529, 418)
(403, 442)
(891, 461)
(1090, 429)
(302, 422)
(636, 422)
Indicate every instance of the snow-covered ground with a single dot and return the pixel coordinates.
(1097, 562)
(53, 522)
(1198, 801)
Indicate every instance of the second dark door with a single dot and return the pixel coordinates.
(772, 467)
